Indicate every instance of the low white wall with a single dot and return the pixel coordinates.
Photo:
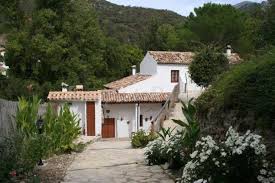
(123, 127)
(125, 116)
(98, 118)
(149, 110)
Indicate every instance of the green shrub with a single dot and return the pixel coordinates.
(21, 151)
(244, 95)
(61, 130)
(207, 65)
(27, 115)
(191, 127)
(140, 139)
(20, 154)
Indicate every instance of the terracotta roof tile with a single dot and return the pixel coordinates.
(165, 57)
(124, 82)
(74, 96)
(111, 96)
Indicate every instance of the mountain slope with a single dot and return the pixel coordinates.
(131, 24)
(249, 6)
(245, 5)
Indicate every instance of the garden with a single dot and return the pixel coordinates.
(202, 159)
(37, 137)
(228, 131)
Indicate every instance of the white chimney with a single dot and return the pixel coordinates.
(79, 87)
(64, 87)
(228, 50)
(134, 70)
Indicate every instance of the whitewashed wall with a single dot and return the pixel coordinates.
(98, 118)
(127, 112)
(161, 81)
(149, 110)
(124, 111)
(148, 65)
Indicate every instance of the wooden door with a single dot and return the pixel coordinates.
(108, 128)
(90, 119)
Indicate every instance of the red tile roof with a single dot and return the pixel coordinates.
(108, 96)
(111, 96)
(124, 82)
(74, 96)
(166, 57)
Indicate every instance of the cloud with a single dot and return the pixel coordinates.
(183, 7)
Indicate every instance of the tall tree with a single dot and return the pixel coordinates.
(119, 59)
(207, 65)
(55, 47)
(217, 24)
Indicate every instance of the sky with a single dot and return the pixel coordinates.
(183, 7)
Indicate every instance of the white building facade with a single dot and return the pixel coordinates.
(129, 104)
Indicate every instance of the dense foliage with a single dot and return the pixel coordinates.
(132, 24)
(207, 65)
(20, 151)
(62, 42)
(248, 90)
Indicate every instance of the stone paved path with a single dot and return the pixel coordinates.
(113, 162)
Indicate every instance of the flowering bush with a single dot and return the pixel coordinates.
(240, 158)
(154, 153)
(174, 150)
(169, 150)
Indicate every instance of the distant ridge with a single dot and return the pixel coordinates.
(131, 24)
(249, 5)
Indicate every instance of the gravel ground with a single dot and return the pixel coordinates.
(54, 169)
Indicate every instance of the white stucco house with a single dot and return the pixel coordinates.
(129, 104)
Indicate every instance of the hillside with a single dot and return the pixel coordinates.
(131, 24)
(249, 6)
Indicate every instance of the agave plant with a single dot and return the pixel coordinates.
(165, 133)
(192, 129)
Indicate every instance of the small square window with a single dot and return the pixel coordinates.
(175, 76)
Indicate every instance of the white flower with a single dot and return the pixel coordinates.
(223, 154)
(217, 163)
(260, 178)
(263, 171)
(194, 154)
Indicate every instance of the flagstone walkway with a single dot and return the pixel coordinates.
(113, 161)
